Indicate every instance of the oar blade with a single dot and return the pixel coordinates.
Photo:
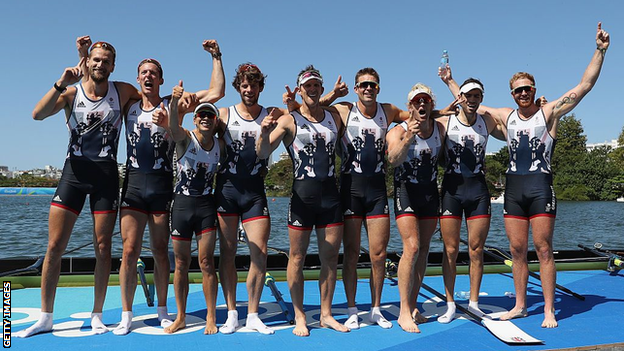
(508, 332)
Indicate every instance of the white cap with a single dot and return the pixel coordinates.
(420, 88)
(470, 86)
(307, 76)
(207, 106)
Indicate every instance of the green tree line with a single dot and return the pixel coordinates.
(579, 175)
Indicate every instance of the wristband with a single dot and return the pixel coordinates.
(59, 89)
(216, 55)
(604, 51)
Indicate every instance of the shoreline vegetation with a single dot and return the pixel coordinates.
(579, 175)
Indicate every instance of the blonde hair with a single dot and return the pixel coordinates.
(420, 88)
(521, 75)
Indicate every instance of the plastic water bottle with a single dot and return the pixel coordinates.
(510, 294)
(462, 295)
(444, 60)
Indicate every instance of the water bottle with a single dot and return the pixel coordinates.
(510, 294)
(462, 295)
(444, 60)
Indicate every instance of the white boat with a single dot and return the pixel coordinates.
(620, 199)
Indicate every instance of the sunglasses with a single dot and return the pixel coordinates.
(367, 84)
(417, 100)
(523, 89)
(246, 67)
(103, 45)
(205, 114)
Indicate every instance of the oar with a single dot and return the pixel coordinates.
(141, 271)
(33, 268)
(269, 280)
(505, 331)
(614, 260)
(504, 257)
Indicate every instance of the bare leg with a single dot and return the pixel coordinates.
(329, 240)
(543, 229)
(299, 241)
(228, 242)
(426, 228)
(478, 229)
(206, 244)
(450, 228)
(159, 241)
(182, 251)
(258, 236)
(408, 228)
(378, 230)
(352, 241)
(132, 227)
(60, 225)
(103, 225)
(518, 234)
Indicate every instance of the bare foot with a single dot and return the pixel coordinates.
(419, 318)
(330, 322)
(301, 327)
(179, 323)
(516, 312)
(407, 324)
(211, 328)
(549, 320)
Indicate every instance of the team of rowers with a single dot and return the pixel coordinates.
(233, 144)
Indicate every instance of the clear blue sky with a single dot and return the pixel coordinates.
(403, 40)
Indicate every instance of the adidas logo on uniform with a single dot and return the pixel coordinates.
(193, 151)
(447, 213)
(296, 223)
(355, 119)
(513, 123)
(81, 104)
(124, 204)
(305, 126)
(455, 129)
(220, 209)
(409, 209)
(57, 198)
(133, 113)
(348, 212)
(265, 211)
(175, 233)
(236, 124)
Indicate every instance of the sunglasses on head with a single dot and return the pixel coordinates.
(367, 84)
(423, 99)
(246, 67)
(103, 45)
(522, 89)
(152, 61)
(205, 114)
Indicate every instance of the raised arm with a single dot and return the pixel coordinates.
(59, 96)
(569, 100)
(399, 141)
(340, 90)
(177, 132)
(217, 78)
(273, 130)
(83, 44)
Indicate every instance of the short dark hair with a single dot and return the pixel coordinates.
(251, 72)
(367, 70)
(473, 80)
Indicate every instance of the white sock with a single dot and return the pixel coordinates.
(375, 316)
(449, 315)
(124, 326)
(97, 326)
(473, 306)
(352, 321)
(255, 323)
(231, 323)
(163, 316)
(44, 324)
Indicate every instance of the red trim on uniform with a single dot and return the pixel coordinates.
(543, 215)
(516, 217)
(406, 215)
(255, 218)
(65, 208)
(205, 231)
(104, 212)
(180, 239)
(159, 212)
(353, 217)
(299, 228)
(331, 225)
(450, 217)
(479, 216)
(134, 209)
(378, 216)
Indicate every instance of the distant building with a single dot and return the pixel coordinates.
(613, 144)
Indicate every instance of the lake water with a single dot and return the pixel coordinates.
(24, 227)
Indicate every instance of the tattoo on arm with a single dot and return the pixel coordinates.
(570, 99)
